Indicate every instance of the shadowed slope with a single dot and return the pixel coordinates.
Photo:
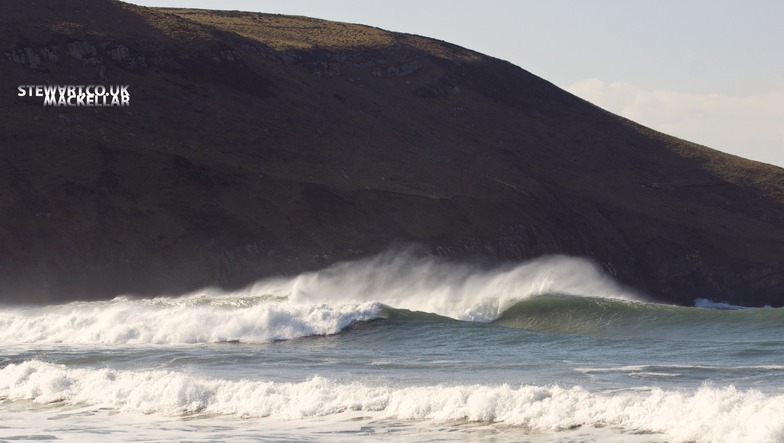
(261, 144)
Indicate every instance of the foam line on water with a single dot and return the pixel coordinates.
(706, 414)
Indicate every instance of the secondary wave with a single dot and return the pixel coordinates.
(706, 414)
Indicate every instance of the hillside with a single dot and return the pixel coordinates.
(259, 145)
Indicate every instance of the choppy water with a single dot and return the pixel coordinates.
(395, 348)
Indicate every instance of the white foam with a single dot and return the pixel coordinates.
(642, 368)
(707, 414)
(193, 319)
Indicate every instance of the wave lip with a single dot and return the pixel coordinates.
(707, 414)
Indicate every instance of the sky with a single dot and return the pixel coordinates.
(711, 72)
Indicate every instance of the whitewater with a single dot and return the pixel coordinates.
(397, 347)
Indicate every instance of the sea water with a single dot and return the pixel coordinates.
(396, 348)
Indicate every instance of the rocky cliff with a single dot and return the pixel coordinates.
(257, 145)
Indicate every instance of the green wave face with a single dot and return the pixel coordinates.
(604, 316)
(392, 313)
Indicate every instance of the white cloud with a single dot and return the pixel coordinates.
(749, 126)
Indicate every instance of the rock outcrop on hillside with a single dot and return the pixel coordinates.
(260, 145)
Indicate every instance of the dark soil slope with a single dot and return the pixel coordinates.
(261, 144)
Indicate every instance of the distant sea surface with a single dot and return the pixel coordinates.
(396, 348)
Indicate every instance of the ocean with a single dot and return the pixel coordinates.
(397, 347)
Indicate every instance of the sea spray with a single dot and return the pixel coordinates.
(461, 291)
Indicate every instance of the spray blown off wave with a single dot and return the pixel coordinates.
(462, 292)
(317, 303)
(705, 414)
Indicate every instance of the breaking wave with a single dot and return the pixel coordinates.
(318, 303)
(553, 294)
